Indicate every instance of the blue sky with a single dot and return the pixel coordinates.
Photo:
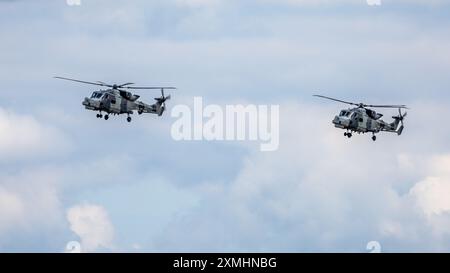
(114, 186)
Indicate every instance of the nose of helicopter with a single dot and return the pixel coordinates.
(338, 121)
(85, 102)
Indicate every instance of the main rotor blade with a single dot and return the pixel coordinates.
(387, 106)
(148, 87)
(364, 105)
(347, 102)
(93, 83)
(122, 85)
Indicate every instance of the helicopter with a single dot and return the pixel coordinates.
(361, 119)
(116, 100)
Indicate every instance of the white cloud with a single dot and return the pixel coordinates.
(22, 136)
(11, 209)
(356, 2)
(433, 192)
(314, 2)
(92, 224)
(30, 204)
(199, 3)
(321, 192)
(432, 195)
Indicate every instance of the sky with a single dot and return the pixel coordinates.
(115, 186)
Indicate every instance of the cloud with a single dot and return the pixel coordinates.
(30, 204)
(432, 193)
(11, 209)
(360, 2)
(33, 201)
(22, 136)
(199, 3)
(92, 224)
(321, 192)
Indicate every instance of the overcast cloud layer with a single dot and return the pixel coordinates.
(113, 186)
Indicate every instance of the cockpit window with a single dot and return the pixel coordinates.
(97, 95)
(342, 113)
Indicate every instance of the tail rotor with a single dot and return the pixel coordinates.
(163, 98)
(400, 119)
(162, 102)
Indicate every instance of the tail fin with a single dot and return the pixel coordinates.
(400, 129)
(160, 109)
(161, 103)
(398, 120)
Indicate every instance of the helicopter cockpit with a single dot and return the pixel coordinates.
(345, 113)
(96, 95)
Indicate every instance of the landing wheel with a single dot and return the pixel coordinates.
(129, 119)
(374, 137)
(345, 134)
(106, 117)
(349, 135)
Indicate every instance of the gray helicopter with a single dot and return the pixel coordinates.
(361, 119)
(116, 100)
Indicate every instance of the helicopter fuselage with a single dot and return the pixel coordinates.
(113, 102)
(117, 100)
(355, 120)
(362, 120)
